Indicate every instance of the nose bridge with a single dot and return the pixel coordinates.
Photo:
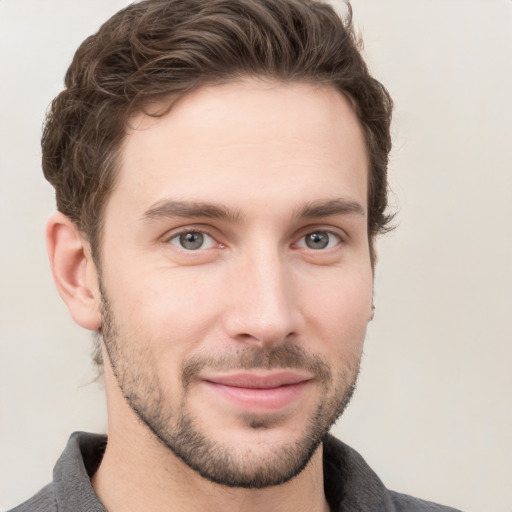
(263, 305)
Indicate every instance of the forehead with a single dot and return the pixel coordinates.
(243, 139)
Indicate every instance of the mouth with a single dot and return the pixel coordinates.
(259, 391)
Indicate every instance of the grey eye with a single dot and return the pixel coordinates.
(318, 240)
(192, 240)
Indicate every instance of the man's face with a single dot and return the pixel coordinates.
(236, 275)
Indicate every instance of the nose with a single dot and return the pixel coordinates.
(263, 307)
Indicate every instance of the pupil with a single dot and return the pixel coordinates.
(191, 240)
(317, 240)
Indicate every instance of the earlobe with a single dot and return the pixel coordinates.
(74, 271)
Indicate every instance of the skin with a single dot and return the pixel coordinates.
(269, 154)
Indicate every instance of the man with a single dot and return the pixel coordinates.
(220, 174)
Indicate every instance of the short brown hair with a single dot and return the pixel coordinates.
(158, 48)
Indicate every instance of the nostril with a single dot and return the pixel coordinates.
(266, 338)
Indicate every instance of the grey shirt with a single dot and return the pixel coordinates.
(350, 484)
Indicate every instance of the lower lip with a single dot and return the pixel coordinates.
(256, 399)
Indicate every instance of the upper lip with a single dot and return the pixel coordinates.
(259, 380)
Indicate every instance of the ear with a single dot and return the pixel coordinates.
(74, 271)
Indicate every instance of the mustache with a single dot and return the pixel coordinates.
(254, 358)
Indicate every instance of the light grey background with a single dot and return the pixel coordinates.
(433, 413)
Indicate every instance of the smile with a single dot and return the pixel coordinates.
(259, 392)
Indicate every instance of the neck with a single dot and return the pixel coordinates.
(138, 473)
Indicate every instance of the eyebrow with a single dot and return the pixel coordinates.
(330, 207)
(190, 209)
(195, 209)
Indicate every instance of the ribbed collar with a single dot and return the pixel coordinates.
(71, 474)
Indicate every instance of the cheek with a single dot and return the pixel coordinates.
(338, 312)
(169, 312)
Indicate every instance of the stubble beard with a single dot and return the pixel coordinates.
(180, 432)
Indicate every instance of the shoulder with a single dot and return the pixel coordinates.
(43, 501)
(71, 489)
(406, 503)
(350, 485)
